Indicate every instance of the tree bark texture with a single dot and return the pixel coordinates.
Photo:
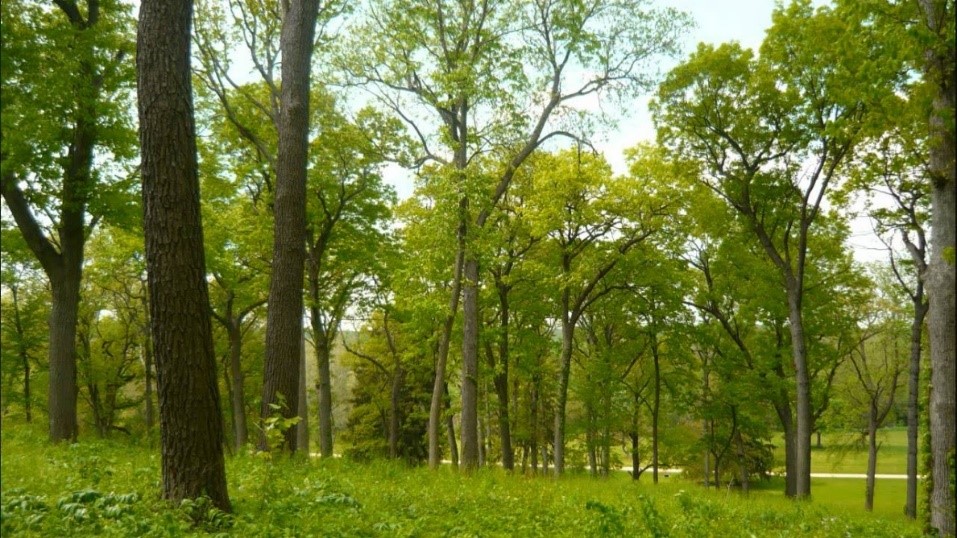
(284, 316)
(802, 442)
(940, 58)
(191, 421)
(324, 383)
(871, 457)
(237, 380)
(470, 433)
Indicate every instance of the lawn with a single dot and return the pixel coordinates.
(847, 452)
(110, 488)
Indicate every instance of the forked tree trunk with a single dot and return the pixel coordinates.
(191, 420)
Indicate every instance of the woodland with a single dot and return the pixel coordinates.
(219, 315)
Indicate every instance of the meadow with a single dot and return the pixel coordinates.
(111, 488)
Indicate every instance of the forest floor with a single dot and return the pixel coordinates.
(111, 488)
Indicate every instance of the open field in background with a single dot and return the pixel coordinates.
(111, 488)
(847, 452)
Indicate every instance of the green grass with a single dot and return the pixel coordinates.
(846, 453)
(99, 488)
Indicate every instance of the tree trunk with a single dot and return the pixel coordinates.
(397, 380)
(324, 384)
(284, 314)
(148, 367)
(470, 440)
(191, 422)
(564, 372)
(783, 409)
(913, 401)
(802, 444)
(871, 456)
(501, 385)
(450, 429)
(22, 352)
(302, 428)
(940, 283)
(240, 429)
(63, 385)
(534, 421)
(655, 411)
(438, 387)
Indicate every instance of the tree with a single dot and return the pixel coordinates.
(754, 124)
(495, 77)
(284, 315)
(190, 416)
(877, 365)
(48, 168)
(940, 56)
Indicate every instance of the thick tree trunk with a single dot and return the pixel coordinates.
(470, 433)
(438, 387)
(284, 315)
(191, 422)
(237, 379)
(871, 457)
(61, 399)
(802, 444)
(913, 402)
(940, 59)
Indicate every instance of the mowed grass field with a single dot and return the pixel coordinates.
(846, 453)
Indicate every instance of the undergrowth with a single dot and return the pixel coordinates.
(99, 488)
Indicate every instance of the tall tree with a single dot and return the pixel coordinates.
(190, 416)
(53, 127)
(755, 123)
(284, 316)
(940, 58)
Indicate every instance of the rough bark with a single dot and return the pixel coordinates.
(190, 416)
(324, 384)
(469, 416)
(284, 316)
(939, 65)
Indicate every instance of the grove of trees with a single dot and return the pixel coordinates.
(689, 311)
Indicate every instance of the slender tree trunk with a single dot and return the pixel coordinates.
(913, 402)
(324, 384)
(564, 372)
(148, 368)
(470, 441)
(655, 411)
(501, 385)
(284, 314)
(302, 428)
(22, 352)
(240, 429)
(802, 462)
(871, 456)
(191, 421)
(450, 429)
(398, 377)
(534, 421)
(438, 387)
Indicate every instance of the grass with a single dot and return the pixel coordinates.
(847, 453)
(111, 488)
